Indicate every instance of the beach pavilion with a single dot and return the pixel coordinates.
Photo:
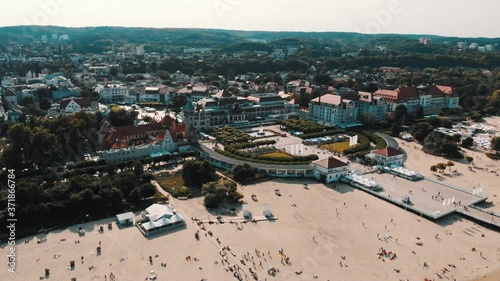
(158, 217)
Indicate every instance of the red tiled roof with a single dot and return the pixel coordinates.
(161, 135)
(446, 90)
(398, 94)
(166, 120)
(83, 102)
(330, 163)
(179, 129)
(125, 131)
(158, 89)
(119, 145)
(329, 99)
(223, 94)
(388, 152)
(365, 96)
(194, 89)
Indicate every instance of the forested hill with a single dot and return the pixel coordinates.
(95, 39)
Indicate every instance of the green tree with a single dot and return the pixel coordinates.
(450, 150)
(450, 164)
(400, 113)
(493, 106)
(19, 137)
(467, 142)
(434, 168)
(45, 104)
(148, 190)
(421, 130)
(220, 192)
(396, 130)
(196, 173)
(243, 172)
(469, 158)
(441, 166)
(120, 117)
(495, 144)
(12, 158)
(138, 167)
(44, 144)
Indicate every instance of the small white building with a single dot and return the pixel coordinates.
(267, 211)
(246, 210)
(72, 105)
(386, 157)
(125, 218)
(112, 93)
(330, 168)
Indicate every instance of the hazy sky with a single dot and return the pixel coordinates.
(441, 17)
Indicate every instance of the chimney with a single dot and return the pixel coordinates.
(189, 87)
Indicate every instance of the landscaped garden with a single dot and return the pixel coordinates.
(303, 126)
(239, 145)
(278, 154)
(337, 147)
(173, 184)
(363, 146)
(228, 135)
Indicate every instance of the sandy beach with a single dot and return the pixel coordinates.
(308, 229)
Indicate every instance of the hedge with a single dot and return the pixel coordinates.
(379, 142)
(249, 155)
(278, 161)
(85, 164)
(364, 144)
(152, 104)
(362, 149)
(252, 144)
(305, 126)
(322, 134)
(494, 156)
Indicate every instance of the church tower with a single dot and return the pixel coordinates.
(188, 117)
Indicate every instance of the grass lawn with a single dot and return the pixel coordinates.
(173, 184)
(278, 154)
(337, 147)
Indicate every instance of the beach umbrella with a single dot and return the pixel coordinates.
(152, 272)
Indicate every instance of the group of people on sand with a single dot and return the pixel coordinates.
(247, 260)
(111, 277)
(383, 253)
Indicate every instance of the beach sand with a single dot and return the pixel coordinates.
(311, 234)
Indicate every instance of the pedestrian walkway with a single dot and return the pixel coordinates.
(479, 214)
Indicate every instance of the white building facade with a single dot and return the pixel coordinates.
(139, 151)
(330, 169)
(386, 157)
(333, 110)
(112, 93)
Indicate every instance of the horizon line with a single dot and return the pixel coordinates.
(244, 30)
